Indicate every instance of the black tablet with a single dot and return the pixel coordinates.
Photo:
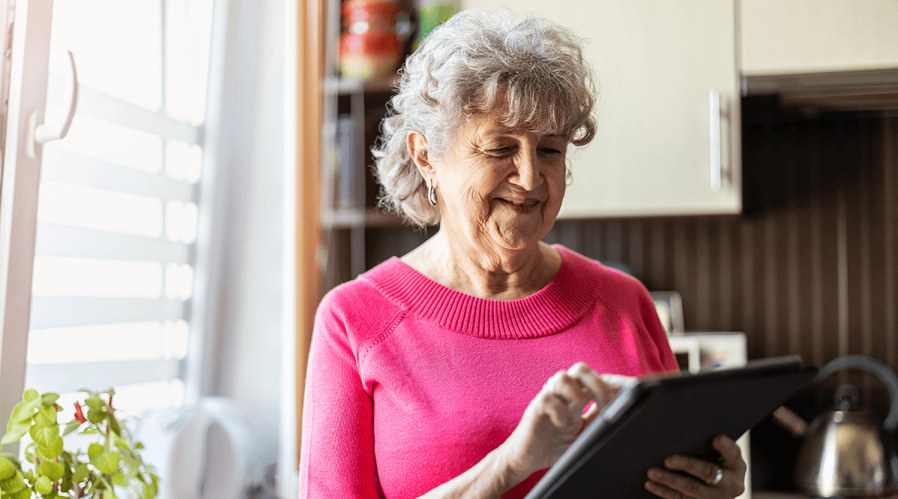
(660, 416)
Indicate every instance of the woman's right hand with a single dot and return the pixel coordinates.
(555, 418)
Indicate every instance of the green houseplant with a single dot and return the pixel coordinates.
(110, 465)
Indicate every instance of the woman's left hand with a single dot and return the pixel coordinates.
(708, 480)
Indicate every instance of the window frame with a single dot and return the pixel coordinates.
(19, 191)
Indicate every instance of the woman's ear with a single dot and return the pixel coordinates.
(417, 149)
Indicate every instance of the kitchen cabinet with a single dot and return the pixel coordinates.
(668, 110)
(814, 36)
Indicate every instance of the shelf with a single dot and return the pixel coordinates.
(347, 86)
(352, 218)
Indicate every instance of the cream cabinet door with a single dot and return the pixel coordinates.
(812, 36)
(668, 111)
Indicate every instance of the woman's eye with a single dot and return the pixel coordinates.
(549, 151)
(500, 151)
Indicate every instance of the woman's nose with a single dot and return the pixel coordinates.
(527, 174)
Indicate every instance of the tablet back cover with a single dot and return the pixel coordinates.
(678, 415)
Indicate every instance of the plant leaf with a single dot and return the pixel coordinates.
(18, 425)
(45, 435)
(15, 432)
(94, 402)
(114, 426)
(51, 452)
(107, 462)
(30, 395)
(43, 485)
(23, 411)
(94, 450)
(120, 480)
(46, 416)
(25, 493)
(81, 472)
(7, 469)
(121, 443)
(69, 428)
(49, 398)
(96, 416)
(155, 484)
(14, 484)
(52, 470)
(65, 485)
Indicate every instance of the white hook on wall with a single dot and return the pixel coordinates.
(39, 133)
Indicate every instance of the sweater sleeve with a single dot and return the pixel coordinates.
(337, 456)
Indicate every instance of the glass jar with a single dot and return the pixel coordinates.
(369, 45)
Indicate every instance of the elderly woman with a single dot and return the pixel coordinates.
(468, 366)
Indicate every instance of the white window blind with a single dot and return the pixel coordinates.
(117, 210)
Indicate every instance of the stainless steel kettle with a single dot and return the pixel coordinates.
(846, 453)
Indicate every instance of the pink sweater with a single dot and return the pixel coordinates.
(411, 383)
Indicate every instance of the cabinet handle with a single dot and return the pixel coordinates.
(714, 114)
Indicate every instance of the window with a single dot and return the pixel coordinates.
(116, 215)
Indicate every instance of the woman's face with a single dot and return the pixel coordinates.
(500, 186)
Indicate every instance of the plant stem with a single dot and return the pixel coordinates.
(107, 484)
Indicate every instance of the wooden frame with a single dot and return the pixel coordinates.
(309, 76)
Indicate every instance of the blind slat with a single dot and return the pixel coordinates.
(99, 375)
(75, 242)
(75, 169)
(107, 108)
(53, 311)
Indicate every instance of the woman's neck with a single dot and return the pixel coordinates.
(489, 273)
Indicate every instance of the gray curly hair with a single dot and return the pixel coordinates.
(528, 71)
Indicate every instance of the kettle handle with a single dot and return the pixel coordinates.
(874, 366)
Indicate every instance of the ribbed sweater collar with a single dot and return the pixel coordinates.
(548, 311)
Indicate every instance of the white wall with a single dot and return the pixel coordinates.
(243, 324)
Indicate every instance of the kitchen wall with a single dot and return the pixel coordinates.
(808, 268)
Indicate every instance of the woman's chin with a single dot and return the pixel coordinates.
(520, 233)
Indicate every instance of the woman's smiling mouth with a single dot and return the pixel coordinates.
(517, 206)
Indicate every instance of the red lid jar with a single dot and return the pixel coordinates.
(369, 46)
